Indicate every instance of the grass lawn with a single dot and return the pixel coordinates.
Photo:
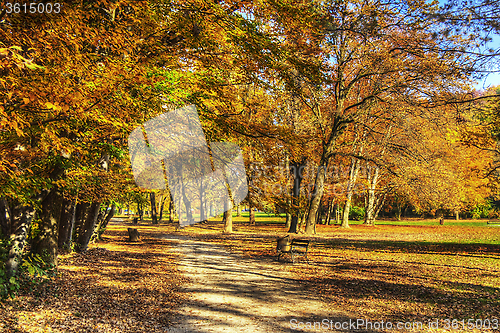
(397, 270)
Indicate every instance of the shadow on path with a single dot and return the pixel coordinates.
(235, 294)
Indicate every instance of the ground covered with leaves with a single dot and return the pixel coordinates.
(116, 286)
(413, 273)
(394, 273)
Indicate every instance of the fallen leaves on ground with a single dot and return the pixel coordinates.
(390, 273)
(116, 286)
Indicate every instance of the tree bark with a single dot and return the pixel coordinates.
(288, 218)
(162, 205)
(353, 175)
(88, 227)
(251, 215)
(328, 215)
(238, 211)
(103, 223)
(22, 216)
(296, 169)
(45, 243)
(140, 211)
(171, 210)
(379, 204)
(228, 221)
(319, 215)
(154, 216)
(317, 195)
(5, 218)
(66, 224)
(370, 202)
(337, 213)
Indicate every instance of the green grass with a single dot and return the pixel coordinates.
(264, 218)
(460, 223)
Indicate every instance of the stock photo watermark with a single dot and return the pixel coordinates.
(171, 151)
(363, 324)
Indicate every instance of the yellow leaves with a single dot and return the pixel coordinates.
(15, 59)
(56, 106)
(15, 127)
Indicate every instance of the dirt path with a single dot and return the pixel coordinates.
(235, 294)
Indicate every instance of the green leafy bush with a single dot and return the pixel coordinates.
(32, 272)
(483, 210)
(8, 286)
(356, 213)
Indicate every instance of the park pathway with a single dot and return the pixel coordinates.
(235, 294)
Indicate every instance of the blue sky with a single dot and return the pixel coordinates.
(492, 79)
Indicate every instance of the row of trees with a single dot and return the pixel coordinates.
(377, 89)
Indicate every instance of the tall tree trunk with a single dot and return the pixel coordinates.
(317, 195)
(171, 210)
(108, 217)
(296, 169)
(251, 215)
(81, 211)
(102, 221)
(288, 218)
(154, 216)
(228, 219)
(87, 227)
(66, 223)
(319, 215)
(329, 213)
(238, 211)
(45, 242)
(203, 212)
(337, 213)
(187, 204)
(5, 218)
(162, 205)
(140, 211)
(457, 214)
(379, 204)
(353, 175)
(370, 201)
(398, 211)
(22, 216)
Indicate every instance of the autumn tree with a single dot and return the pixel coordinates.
(74, 85)
(380, 51)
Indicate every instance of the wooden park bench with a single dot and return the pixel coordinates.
(496, 221)
(294, 247)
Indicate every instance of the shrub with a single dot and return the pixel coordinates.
(8, 286)
(356, 213)
(483, 210)
(32, 272)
